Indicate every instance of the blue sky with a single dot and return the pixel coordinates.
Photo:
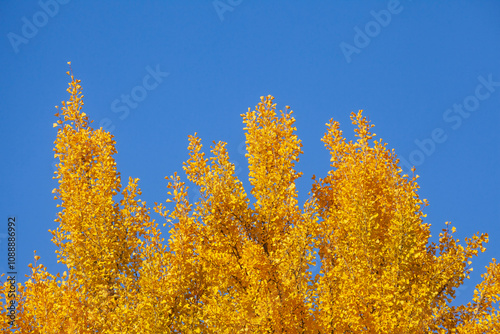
(426, 74)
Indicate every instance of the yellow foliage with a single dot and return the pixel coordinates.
(234, 264)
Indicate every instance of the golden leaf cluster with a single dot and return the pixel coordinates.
(243, 263)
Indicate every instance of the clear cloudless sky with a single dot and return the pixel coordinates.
(426, 74)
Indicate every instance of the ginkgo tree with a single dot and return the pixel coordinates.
(238, 262)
